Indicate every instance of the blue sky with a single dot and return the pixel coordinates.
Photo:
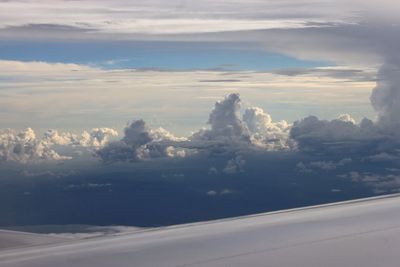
(153, 55)
(291, 58)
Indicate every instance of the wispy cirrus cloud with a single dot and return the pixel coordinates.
(172, 17)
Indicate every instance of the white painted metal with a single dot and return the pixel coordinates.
(362, 233)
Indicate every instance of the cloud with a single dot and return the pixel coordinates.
(88, 186)
(228, 132)
(159, 17)
(130, 147)
(32, 93)
(226, 124)
(54, 137)
(333, 30)
(344, 73)
(381, 183)
(254, 130)
(97, 137)
(385, 97)
(24, 147)
(331, 165)
(303, 168)
(234, 165)
(140, 143)
(41, 68)
(342, 134)
(222, 192)
(324, 165)
(382, 157)
(264, 132)
(47, 173)
(212, 193)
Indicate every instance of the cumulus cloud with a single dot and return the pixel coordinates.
(232, 131)
(24, 147)
(139, 143)
(253, 130)
(326, 165)
(54, 137)
(313, 134)
(346, 118)
(235, 165)
(228, 132)
(331, 165)
(226, 126)
(301, 167)
(97, 137)
(264, 132)
(222, 192)
(136, 135)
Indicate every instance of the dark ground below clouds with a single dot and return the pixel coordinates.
(171, 192)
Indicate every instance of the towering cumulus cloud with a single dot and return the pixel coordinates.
(226, 126)
(254, 129)
(344, 135)
(385, 97)
(129, 147)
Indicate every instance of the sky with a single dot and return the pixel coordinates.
(290, 102)
(287, 42)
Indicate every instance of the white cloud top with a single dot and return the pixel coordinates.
(25, 147)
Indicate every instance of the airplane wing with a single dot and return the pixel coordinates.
(356, 233)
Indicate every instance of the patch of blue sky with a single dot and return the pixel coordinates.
(177, 56)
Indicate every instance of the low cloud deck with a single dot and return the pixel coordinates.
(359, 233)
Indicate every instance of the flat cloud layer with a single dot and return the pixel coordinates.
(172, 17)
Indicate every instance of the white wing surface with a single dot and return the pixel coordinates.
(357, 233)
